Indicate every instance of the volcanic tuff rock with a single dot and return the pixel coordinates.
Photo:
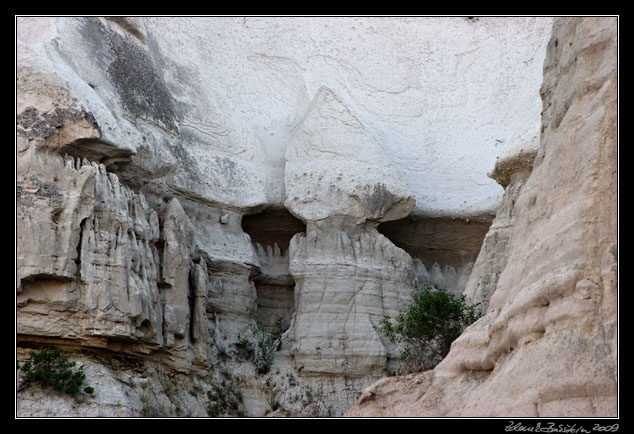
(93, 273)
(548, 343)
(444, 250)
(179, 196)
(511, 171)
(334, 166)
(348, 276)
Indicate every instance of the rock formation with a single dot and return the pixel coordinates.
(548, 343)
(444, 249)
(511, 172)
(348, 276)
(213, 214)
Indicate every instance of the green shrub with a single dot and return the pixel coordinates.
(266, 344)
(225, 399)
(50, 369)
(273, 401)
(261, 350)
(426, 328)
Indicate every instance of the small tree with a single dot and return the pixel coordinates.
(426, 328)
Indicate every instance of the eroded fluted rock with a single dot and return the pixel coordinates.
(229, 258)
(548, 343)
(511, 171)
(97, 254)
(169, 273)
(348, 276)
(343, 289)
(275, 289)
(444, 249)
(90, 270)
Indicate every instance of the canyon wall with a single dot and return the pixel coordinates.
(213, 214)
(548, 344)
(511, 172)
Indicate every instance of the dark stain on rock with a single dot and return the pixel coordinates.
(227, 166)
(614, 249)
(26, 190)
(129, 26)
(177, 149)
(133, 73)
(34, 124)
(380, 199)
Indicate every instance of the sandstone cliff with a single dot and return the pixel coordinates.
(547, 345)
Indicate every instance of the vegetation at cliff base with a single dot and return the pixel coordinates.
(425, 329)
(50, 369)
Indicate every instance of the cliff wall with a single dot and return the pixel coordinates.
(547, 346)
(214, 213)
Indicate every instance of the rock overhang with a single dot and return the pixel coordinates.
(442, 96)
(345, 140)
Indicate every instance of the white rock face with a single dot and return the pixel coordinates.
(348, 276)
(147, 147)
(335, 167)
(443, 96)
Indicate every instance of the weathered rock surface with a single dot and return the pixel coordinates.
(106, 284)
(275, 289)
(347, 275)
(510, 171)
(158, 168)
(101, 266)
(212, 121)
(130, 387)
(548, 343)
(444, 249)
(444, 96)
(343, 289)
(334, 166)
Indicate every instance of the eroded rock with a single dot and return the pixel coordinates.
(511, 171)
(145, 242)
(444, 249)
(348, 276)
(334, 166)
(547, 345)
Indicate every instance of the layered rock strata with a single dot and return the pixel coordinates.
(142, 263)
(271, 232)
(548, 343)
(275, 289)
(152, 233)
(105, 283)
(116, 265)
(348, 276)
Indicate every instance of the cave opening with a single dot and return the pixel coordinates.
(444, 249)
(271, 231)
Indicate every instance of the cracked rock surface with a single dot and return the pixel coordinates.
(194, 195)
